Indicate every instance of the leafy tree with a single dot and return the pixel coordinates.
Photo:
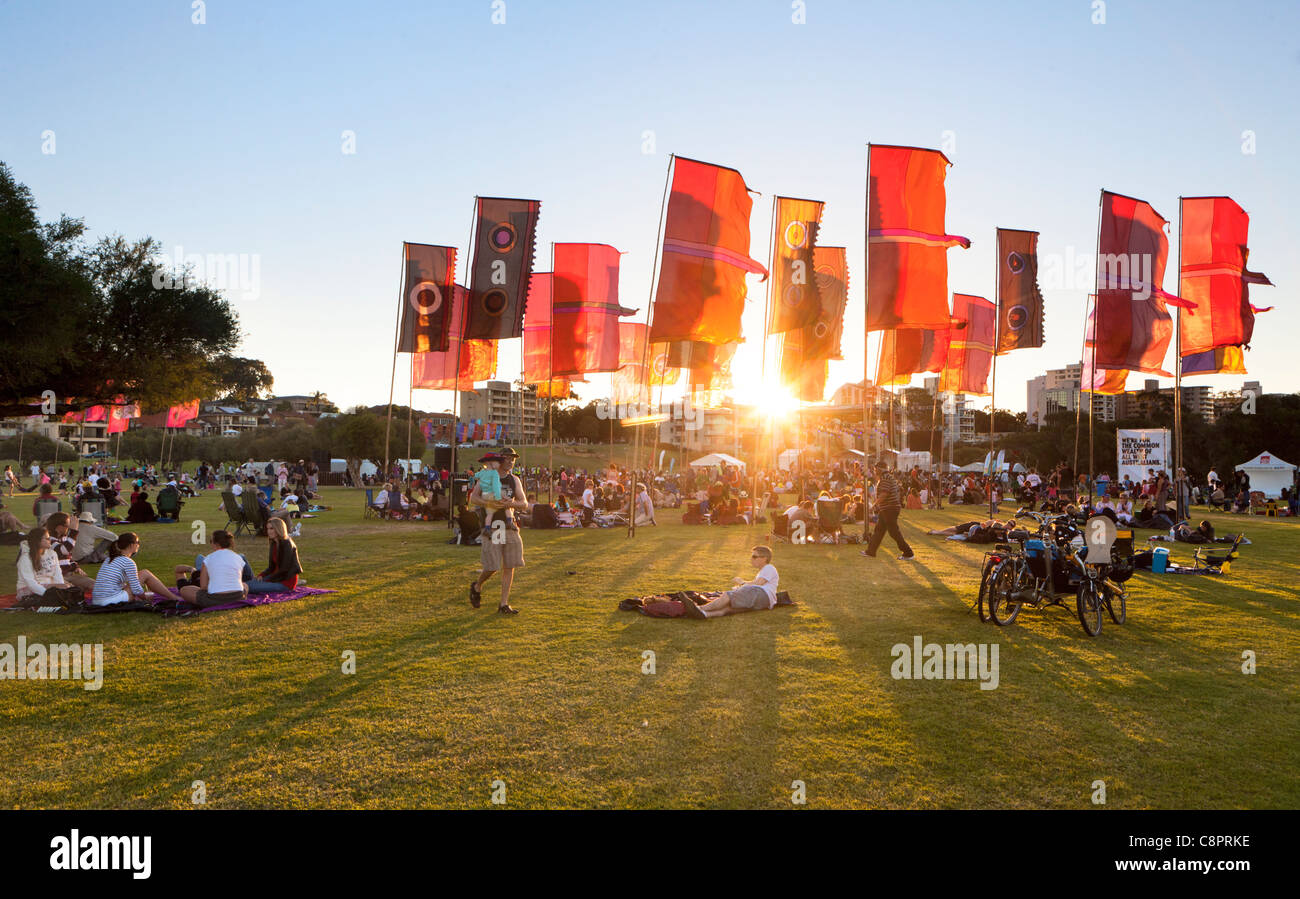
(137, 328)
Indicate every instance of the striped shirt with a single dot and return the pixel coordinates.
(116, 575)
(887, 494)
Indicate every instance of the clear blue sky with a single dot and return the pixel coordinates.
(226, 138)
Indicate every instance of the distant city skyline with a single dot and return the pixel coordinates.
(302, 145)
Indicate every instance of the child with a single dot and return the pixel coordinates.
(487, 479)
(745, 596)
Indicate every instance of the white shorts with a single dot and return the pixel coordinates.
(120, 596)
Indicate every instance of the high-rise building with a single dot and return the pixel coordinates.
(500, 403)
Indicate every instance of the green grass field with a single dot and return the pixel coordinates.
(445, 699)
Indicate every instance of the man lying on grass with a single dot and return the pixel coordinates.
(760, 593)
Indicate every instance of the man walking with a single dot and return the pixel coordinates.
(501, 547)
(887, 506)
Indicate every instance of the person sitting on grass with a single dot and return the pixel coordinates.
(8, 522)
(93, 543)
(745, 596)
(221, 575)
(64, 542)
(282, 567)
(120, 581)
(141, 510)
(38, 565)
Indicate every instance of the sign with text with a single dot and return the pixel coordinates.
(1140, 451)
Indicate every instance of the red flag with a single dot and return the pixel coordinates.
(907, 272)
(794, 291)
(96, 413)
(1214, 279)
(503, 264)
(911, 351)
(1133, 326)
(430, 278)
(477, 358)
(970, 352)
(537, 330)
(585, 309)
(117, 419)
(701, 292)
(177, 416)
(1106, 381)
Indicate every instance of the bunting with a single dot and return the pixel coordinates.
(705, 257)
(796, 302)
(907, 247)
(429, 280)
(503, 264)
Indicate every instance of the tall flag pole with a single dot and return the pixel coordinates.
(995, 470)
(1180, 508)
(470, 260)
(767, 312)
(392, 381)
(649, 322)
(1020, 307)
(866, 338)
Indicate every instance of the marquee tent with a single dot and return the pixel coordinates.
(712, 460)
(1268, 474)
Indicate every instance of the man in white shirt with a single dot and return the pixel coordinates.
(746, 596)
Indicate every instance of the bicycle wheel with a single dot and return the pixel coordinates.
(985, 582)
(1113, 598)
(1089, 605)
(1004, 582)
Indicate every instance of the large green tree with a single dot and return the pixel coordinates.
(92, 322)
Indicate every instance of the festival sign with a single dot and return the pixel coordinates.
(1142, 450)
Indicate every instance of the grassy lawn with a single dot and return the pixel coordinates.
(445, 699)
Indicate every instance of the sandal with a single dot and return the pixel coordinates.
(507, 610)
(475, 597)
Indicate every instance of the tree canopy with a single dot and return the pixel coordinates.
(107, 319)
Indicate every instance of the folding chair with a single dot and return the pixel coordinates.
(252, 511)
(169, 504)
(371, 510)
(830, 514)
(45, 508)
(235, 514)
(1216, 563)
(780, 527)
(94, 507)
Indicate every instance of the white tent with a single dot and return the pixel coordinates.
(787, 460)
(712, 460)
(1269, 474)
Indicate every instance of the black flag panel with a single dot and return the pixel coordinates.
(503, 263)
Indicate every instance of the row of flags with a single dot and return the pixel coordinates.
(572, 322)
(1129, 326)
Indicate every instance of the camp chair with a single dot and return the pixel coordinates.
(830, 513)
(94, 507)
(252, 511)
(45, 508)
(371, 510)
(1219, 564)
(235, 514)
(169, 504)
(780, 527)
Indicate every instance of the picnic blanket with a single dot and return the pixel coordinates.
(671, 605)
(166, 607)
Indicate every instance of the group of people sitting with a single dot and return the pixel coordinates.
(51, 557)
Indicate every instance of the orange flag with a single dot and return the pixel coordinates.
(478, 358)
(794, 290)
(705, 258)
(907, 249)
